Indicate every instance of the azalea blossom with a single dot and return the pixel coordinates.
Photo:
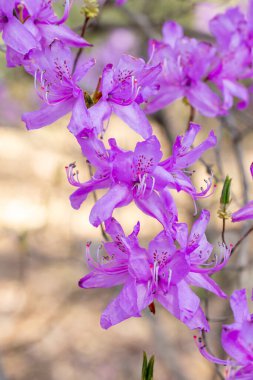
(140, 175)
(186, 64)
(183, 156)
(233, 33)
(55, 84)
(236, 340)
(232, 28)
(30, 24)
(163, 272)
(121, 90)
(129, 176)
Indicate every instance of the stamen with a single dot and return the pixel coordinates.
(71, 174)
(195, 206)
(153, 185)
(35, 79)
(169, 277)
(218, 262)
(46, 97)
(156, 270)
(152, 53)
(202, 349)
(98, 253)
(42, 81)
(205, 192)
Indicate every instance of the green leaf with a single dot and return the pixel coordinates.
(150, 369)
(147, 367)
(144, 366)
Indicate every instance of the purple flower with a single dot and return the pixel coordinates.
(246, 212)
(122, 88)
(237, 340)
(234, 46)
(55, 84)
(139, 175)
(129, 176)
(30, 24)
(183, 156)
(162, 272)
(232, 28)
(186, 64)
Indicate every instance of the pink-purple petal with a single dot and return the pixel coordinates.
(244, 213)
(47, 114)
(117, 196)
(16, 36)
(135, 118)
(122, 307)
(239, 305)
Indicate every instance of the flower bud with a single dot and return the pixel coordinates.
(225, 199)
(90, 8)
(225, 195)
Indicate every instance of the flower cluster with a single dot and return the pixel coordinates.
(205, 75)
(163, 272)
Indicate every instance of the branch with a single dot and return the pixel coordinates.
(162, 119)
(85, 24)
(241, 240)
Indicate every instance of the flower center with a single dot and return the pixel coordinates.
(20, 11)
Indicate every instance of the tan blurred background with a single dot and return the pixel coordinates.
(49, 328)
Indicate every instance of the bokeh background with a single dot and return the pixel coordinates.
(49, 328)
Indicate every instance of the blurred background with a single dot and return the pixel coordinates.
(49, 328)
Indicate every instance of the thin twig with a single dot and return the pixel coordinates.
(162, 119)
(217, 369)
(217, 150)
(241, 240)
(141, 21)
(191, 116)
(86, 20)
(2, 374)
(209, 169)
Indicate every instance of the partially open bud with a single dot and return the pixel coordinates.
(225, 199)
(225, 195)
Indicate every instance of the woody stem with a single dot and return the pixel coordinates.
(84, 27)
